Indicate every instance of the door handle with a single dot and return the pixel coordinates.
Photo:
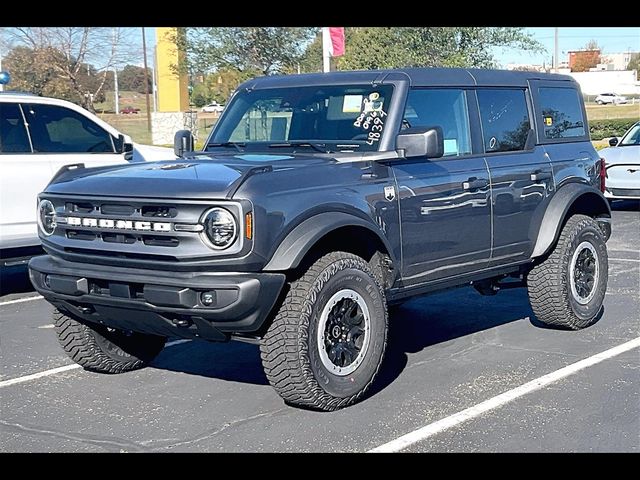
(475, 183)
(539, 176)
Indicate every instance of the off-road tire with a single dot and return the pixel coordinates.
(97, 349)
(290, 353)
(548, 283)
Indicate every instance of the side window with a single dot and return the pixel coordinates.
(13, 133)
(505, 119)
(561, 113)
(56, 129)
(446, 108)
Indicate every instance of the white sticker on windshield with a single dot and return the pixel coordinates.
(352, 104)
(450, 146)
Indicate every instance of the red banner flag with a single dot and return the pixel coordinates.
(337, 41)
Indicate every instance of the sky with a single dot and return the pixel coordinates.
(610, 39)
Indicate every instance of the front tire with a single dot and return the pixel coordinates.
(327, 341)
(567, 288)
(102, 350)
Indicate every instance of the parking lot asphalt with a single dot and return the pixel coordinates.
(448, 352)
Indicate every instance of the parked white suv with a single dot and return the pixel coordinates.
(610, 98)
(38, 136)
(213, 107)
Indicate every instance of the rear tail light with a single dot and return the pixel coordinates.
(603, 174)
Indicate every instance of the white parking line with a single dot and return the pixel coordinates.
(20, 300)
(427, 431)
(625, 259)
(35, 376)
(64, 368)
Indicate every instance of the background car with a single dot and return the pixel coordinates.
(623, 165)
(129, 109)
(38, 136)
(213, 107)
(610, 98)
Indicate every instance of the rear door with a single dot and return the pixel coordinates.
(563, 131)
(521, 175)
(23, 176)
(445, 211)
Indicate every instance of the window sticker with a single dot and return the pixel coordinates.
(548, 121)
(450, 146)
(371, 118)
(352, 104)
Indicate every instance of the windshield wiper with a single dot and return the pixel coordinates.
(238, 145)
(319, 147)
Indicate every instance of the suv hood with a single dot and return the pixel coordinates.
(195, 177)
(624, 155)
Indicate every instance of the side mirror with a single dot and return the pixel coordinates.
(421, 142)
(182, 142)
(613, 141)
(123, 144)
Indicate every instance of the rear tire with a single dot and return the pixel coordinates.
(567, 288)
(100, 350)
(326, 343)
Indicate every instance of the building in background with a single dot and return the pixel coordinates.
(616, 61)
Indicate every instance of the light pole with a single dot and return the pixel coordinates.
(115, 79)
(146, 79)
(556, 62)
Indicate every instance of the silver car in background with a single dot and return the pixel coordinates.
(623, 165)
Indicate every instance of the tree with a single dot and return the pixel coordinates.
(587, 58)
(132, 78)
(393, 47)
(634, 64)
(266, 50)
(79, 56)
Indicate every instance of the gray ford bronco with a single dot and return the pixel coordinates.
(317, 202)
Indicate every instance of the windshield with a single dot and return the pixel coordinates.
(632, 137)
(323, 118)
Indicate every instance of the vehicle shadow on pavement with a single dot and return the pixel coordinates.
(444, 317)
(233, 361)
(14, 280)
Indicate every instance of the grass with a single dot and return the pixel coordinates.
(606, 112)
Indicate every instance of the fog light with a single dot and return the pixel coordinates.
(208, 298)
(47, 282)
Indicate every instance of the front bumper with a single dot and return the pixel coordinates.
(159, 302)
(615, 193)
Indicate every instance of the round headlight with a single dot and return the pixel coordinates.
(46, 217)
(220, 227)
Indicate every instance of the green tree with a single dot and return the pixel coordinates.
(267, 50)
(81, 57)
(634, 64)
(37, 71)
(131, 78)
(393, 47)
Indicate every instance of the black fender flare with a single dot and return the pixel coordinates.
(304, 236)
(557, 210)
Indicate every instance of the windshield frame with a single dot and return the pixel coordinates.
(398, 95)
(628, 134)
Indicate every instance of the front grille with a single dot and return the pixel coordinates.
(625, 192)
(132, 228)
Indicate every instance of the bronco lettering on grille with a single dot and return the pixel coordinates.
(117, 224)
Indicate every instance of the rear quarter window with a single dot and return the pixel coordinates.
(561, 113)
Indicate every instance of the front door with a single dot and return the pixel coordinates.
(445, 209)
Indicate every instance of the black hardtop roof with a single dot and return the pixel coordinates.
(419, 77)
